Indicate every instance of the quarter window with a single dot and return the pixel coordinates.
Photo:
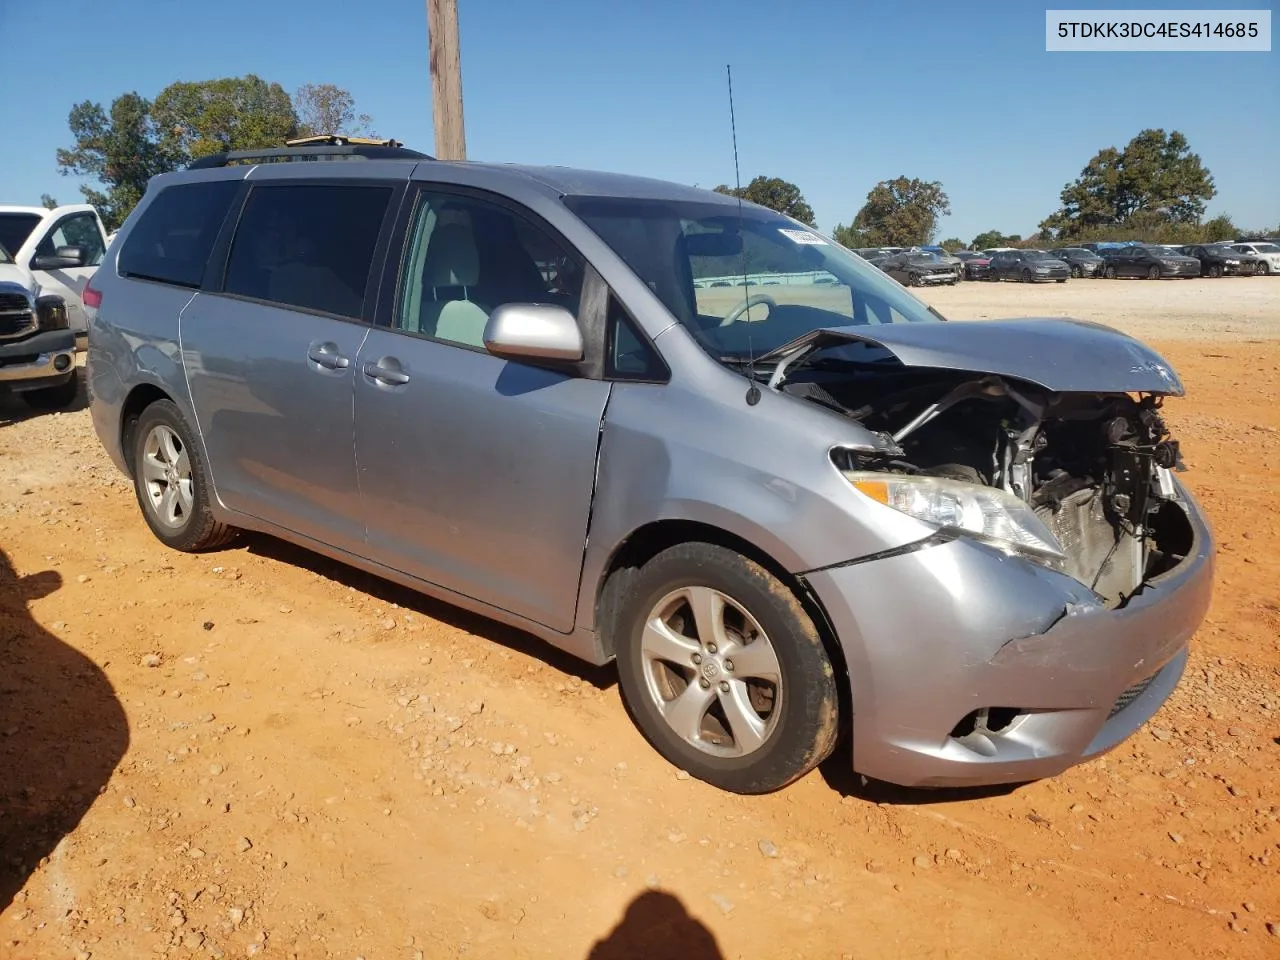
(172, 239)
(465, 257)
(308, 246)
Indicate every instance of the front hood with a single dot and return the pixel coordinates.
(13, 275)
(1065, 356)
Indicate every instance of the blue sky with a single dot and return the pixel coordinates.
(833, 96)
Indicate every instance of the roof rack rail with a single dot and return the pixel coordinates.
(323, 147)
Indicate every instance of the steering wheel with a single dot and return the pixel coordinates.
(752, 301)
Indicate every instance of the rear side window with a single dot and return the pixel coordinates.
(172, 239)
(308, 246)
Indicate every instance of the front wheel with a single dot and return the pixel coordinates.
(1262, 269)
(1026, 277)
(723, 671)
(1153, 272)
(1215, 270)
(913, 279)
(54, 398)
(1075, 272)
(171, 481)
(1109, 273)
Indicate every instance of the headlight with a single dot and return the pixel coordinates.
(984, 513)
(51, 311)
(1232, 263)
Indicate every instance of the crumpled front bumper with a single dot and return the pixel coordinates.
(933, 635)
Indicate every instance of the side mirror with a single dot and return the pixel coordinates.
(63, 258)
(533, 331)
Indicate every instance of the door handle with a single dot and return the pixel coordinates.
(326, 355)
(387, 370)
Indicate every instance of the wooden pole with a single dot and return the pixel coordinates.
(446, 79)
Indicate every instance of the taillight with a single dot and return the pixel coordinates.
(91, 298)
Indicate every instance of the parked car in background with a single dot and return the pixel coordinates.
(1029, 266)
(977, 266)
(1150, 261)
(59, 248)
(873, 255)
(916, 268)
(954, 262)
(1221, 260)
(973, 534)
(37, 346)
(1082, 262)
(1264, 250)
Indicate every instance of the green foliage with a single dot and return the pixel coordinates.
(902, 212)
(120, 150)
(48, 202)
(196, 119)
(1219, 228)
(775, 194)
(1155, 179)
(952, 243)
(324, 108)
(850, 237)
(138, 139)
(994, 238)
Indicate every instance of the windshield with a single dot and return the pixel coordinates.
(5, 256)
(784, 280)
(15, 228)
(1080, 253)
(1037, 255)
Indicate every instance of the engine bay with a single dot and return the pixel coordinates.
(1096, 468)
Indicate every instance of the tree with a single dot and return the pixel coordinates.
(902, 212)
(850, 237)
(120, 150)
(775, 194)
(1220, 228)
(48, 202)
(952, 243)
(325, 108)
(994, 238)
(1156, 174)
(195, 119)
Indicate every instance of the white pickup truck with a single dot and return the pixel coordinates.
(53, 252)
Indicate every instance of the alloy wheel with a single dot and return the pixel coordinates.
(166, 474)
(711, 671)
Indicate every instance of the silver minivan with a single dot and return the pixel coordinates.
(664, 427)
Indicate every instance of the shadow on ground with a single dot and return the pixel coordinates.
(62, 731)
(13, 409)
(282, 551)
(656, 926)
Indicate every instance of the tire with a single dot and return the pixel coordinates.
(1076, 273)
(1109, 273)
(1215, 270)
(1027, 277)
(1153, 272)
(788, 715)
(1262, 269)
(171, 482)
(913, 280)
(1062, 280)
(54, 398)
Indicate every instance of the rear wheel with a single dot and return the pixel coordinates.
(54, 398)
(723, 671)
(171, 481)
(1153, 272)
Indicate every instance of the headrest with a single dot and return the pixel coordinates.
(452, 260)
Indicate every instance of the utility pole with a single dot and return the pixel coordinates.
(446, 79)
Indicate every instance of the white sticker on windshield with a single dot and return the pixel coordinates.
(802, 236)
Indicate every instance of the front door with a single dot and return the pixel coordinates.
(271, 359)
(477, 472)
(74, 230)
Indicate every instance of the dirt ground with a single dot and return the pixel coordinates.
(258, 751)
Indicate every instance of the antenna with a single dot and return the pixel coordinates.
(753, 391)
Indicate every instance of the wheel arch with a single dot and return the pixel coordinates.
(650, 539)
(138, 399)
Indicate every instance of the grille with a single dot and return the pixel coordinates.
(1130, 695)
(16, 317)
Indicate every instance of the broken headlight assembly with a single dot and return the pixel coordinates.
(968, 509)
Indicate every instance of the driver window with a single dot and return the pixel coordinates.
(78, 230)
(466, 257)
